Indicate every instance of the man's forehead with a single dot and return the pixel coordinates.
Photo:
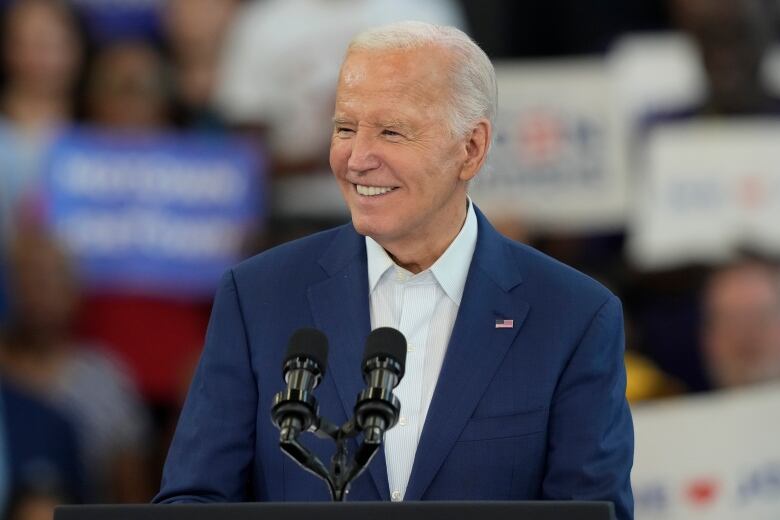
(391, 107)
(423, 66)
(409, 79)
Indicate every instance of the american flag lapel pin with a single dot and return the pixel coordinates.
(505, 324)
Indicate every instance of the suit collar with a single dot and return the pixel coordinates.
(491, 252)
(495, 256)
(345, 248)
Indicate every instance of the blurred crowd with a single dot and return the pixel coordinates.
(91, 379)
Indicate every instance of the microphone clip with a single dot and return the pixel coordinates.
(343, 470)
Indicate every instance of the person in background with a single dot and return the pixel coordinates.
(43, 50)
(128, 88)
(733, 37)
(39, 354)
(129, 93)
(741, 326)
(40, 455)
(195, 30)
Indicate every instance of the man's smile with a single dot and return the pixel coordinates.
(373, 191)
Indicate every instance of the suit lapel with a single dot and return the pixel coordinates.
(340, 306)
(475, 351)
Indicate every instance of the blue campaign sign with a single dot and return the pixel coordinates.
(111, 20)
(163, 214)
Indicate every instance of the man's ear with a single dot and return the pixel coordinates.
(477, 145)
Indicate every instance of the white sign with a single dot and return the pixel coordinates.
(553, 159)
(713, 457)
(710, 189)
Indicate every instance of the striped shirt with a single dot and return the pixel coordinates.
(423, 307)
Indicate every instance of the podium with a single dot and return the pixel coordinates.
(531, 510)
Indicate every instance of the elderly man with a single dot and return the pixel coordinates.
(514, 385)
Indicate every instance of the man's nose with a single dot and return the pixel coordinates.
(363, 156)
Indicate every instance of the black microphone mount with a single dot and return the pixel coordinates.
(377, 409)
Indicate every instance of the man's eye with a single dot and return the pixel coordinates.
(391, 133)
(342, 130)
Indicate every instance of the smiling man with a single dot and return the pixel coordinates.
(400, 161)
(514, 385)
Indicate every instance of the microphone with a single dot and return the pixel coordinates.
(377, 408)
(295, 409)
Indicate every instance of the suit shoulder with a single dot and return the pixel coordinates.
(295, 256)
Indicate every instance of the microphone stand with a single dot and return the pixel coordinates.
(377, 409)
(342, 471)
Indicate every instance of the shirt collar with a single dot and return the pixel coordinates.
(450, 269)
(378, 262)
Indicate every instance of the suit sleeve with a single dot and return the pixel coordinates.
(211, 456)
(591, 437)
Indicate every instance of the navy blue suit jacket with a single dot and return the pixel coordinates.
(535, 411)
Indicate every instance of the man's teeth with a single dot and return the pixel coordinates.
(372, 190)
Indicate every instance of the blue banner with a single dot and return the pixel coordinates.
(111, 20)
(163, 214)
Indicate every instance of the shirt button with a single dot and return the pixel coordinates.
(410, 348)
(402, 421)
(395, 496)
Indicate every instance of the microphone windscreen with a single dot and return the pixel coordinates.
(386, 342)
(308, 343)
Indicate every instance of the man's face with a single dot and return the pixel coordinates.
(742, 326)
(733, 36)
(400, 169)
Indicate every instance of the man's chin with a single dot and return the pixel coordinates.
(368, 228)
(363, 228)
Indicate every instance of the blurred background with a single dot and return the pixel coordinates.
(147, 145)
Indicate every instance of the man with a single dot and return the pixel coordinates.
(741, 326)
(514, 385)
(733, 39)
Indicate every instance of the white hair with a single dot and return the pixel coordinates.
(474, 92)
